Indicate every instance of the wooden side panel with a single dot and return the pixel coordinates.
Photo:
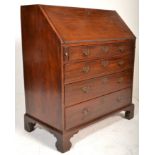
(42, 67)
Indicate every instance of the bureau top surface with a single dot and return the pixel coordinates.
(75, 25)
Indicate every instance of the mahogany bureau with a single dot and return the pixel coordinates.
(78, 68)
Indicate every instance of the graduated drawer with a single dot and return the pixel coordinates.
(84, 70)
(106, 50)
(88, 89)
(92, 109)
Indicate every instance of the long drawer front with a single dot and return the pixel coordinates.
(84, 112)
(106, 50)
(84, 70)
(81, 91)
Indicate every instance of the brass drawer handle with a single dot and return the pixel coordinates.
(121, 49)
(85, 69)
(119, 99)
(105, 49)
(85, 111)
(85, 89)
(105, 63)
(105, 80)
(86, 52)
(120, 80)
(120, 63)
(102, 101)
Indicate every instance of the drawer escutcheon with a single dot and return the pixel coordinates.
(105, 63)
(120, 63)
(85, 89)
(85, 111)
(121, 49)
(86, 52)
(105, 49)
(120, 80)
(85, 69)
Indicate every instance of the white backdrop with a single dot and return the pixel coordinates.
(113, 141)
